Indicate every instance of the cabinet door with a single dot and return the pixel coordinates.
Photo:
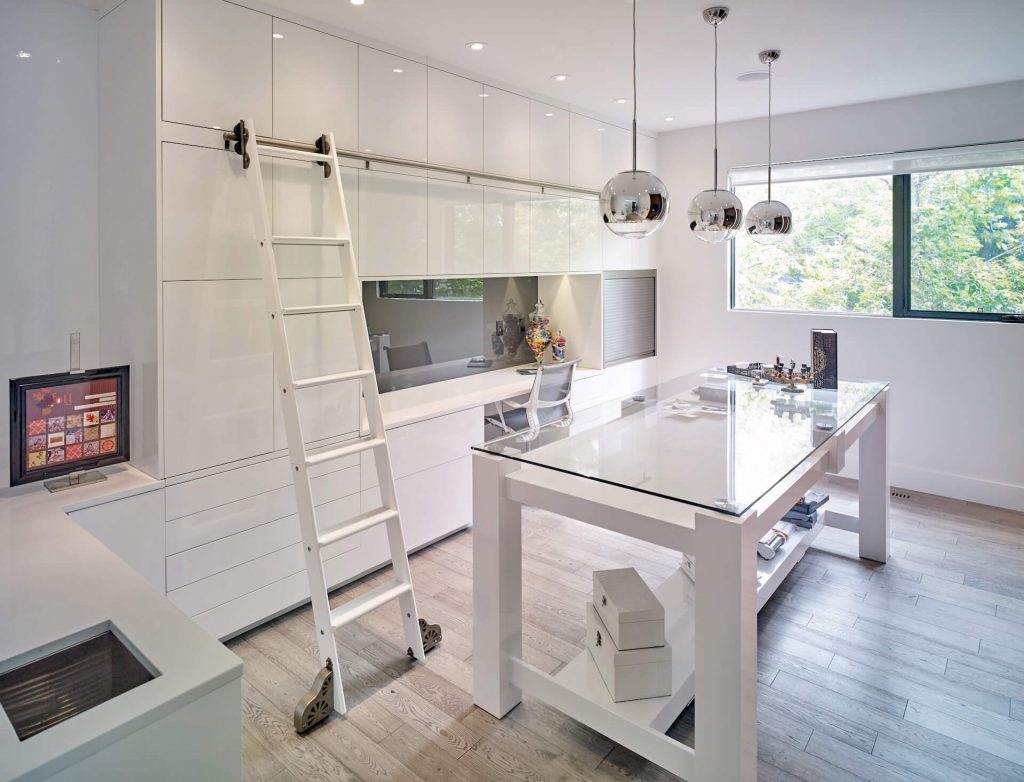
(549, 233)
(506, 231)
(586, 235)
(549, 143)
(506, 133)
(618, 252)
(392, 105)
(208, 230)
(218, 374)
(617, 150)
(586, 159)
(316, 85)
(133, 528)
(216, 64)
(392, 225)
(455, 233)
(304, 206)
(455, 121)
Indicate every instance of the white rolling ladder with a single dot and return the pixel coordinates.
(327, 690)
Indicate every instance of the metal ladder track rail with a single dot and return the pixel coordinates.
(317, 708)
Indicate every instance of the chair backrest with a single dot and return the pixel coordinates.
(552, 388)
(407, 356)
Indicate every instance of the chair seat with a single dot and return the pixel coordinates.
(516, 420)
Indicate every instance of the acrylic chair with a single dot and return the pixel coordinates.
(549, 402)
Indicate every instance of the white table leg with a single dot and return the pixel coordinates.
(874, 486)
(497, 585)
(726, 652)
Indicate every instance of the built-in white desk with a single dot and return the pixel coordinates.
(58, 582)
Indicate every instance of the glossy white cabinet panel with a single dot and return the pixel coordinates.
(647, 153)
(586, 153)
(506, 231)
(316, 85)
(218, 374)
(549, 233)
(392, 105)
(586, 235)
(392, 225)
(216, 64)
(549, 143)
(133, 529)
(455, 120)
(455, 233)
(506, 133)
(618, 252)
(208, 230)
(617, 150)
(436, 502)
(645, 254)
(303, 204)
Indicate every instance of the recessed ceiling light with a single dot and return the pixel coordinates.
(23, 55)
(600, 130)
(485, 94)
(753, 76)
(397, 70)
(670, 119)
(621, 100)
(357, 2)
(559, 77)
(279, 36)
(549, 113)
(476, 46)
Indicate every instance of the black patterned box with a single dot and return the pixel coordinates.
(823, 356)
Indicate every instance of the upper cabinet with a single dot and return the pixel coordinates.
(549, 143)
(506, 231)
(616, 151)
(586, 235)
(506, 133)
(455, 231)
(216, 64)
(392, 225)
(586, 159)
(316, 85)
(392, 105)
(455, 121)
(549, 234)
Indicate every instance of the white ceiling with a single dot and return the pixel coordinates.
(834, 52)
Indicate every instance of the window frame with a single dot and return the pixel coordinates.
(902, 306)
(427, 295)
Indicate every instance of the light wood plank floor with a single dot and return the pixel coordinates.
(909, 671)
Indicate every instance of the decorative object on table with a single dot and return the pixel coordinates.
(824, 349)
(479, 362)
(558, 347)
(775, 539)
(629, 674)
(634, 204)
(511, 328)
(538, 335)
(715, 215)
(635, 618)
(497, 346)
(769, 221)
(779, 372)
(318, 703)
(807, 510)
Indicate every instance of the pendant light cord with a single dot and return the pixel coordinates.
(769, 130)
(634, 87)
(715, 185)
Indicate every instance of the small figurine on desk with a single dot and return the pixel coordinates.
(558, 347)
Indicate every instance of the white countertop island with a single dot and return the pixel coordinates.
(56, 581)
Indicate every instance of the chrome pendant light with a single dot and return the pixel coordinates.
(769, 222)
(634, 204)
(715, 215)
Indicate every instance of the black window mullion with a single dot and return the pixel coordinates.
(901, 305)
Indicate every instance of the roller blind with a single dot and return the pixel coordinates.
(629, 317)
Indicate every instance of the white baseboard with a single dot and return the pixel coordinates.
(960, 487)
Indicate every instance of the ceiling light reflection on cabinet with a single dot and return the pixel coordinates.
(476, 46)
(620, 101)
(278, 36)
(357, 2)
(559, 77)
(23, 55)
(397, 70)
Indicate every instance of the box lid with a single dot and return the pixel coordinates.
(625, 595)
(626, 657)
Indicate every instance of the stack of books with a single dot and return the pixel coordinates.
(805, 512)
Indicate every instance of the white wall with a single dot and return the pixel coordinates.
(956, 431)
(48, 191)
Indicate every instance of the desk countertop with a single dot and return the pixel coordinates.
(57, 580)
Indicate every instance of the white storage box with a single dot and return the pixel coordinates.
(631, 674)
(635, 618)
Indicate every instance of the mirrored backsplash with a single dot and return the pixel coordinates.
(426, 331)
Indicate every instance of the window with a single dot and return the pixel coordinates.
(471, 289)
(943, 241)
(839, 259)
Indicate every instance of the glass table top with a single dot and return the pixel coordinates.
(708, 439)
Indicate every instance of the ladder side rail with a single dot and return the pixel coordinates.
(293, 427)
(375, 421)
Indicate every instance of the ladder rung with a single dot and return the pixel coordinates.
(318, 240)
(358, 524)
(320, 309)
(293, 154)
(346, 450)
(365, 603)
(340, 377)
